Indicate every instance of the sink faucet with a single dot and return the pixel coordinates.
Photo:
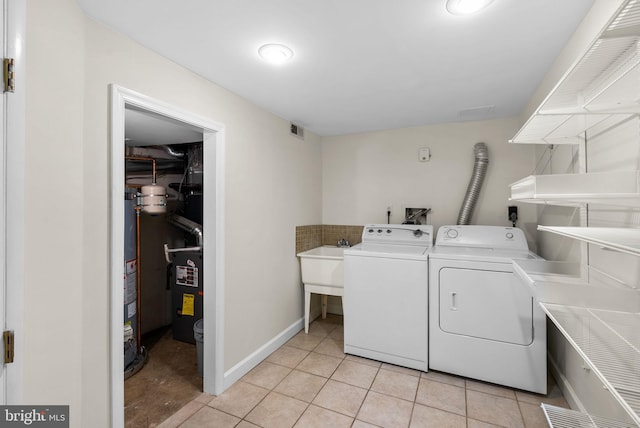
(343, 243)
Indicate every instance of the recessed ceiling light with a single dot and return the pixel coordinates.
(275, 53)
(465, 7)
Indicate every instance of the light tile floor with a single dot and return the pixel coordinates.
(309, 382)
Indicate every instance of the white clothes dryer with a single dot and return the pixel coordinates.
(385, 300)
(483, 323)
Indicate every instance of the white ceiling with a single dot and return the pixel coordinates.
(143, 128)
(359, 65)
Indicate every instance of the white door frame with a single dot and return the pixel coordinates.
(12, 187)
(213, 225)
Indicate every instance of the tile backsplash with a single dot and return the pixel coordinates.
(331, 234)
(308, 237)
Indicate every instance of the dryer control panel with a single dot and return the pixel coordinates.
(495, 237)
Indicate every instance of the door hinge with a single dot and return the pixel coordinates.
(9, 75)
(8, 340)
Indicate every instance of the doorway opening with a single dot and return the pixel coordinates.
(167, 244)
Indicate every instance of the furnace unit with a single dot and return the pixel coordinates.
(186, 294)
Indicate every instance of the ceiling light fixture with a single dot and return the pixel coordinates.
(466, 7)
(275, 53)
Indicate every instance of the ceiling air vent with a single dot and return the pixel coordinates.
(478, 113)
(296, 130)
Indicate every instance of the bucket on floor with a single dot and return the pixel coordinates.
(198, 335)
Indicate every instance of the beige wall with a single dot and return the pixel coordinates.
(273, 183)
(363, 174)
(54, 288)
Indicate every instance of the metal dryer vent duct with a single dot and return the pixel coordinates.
(188, 226)
(475, 184)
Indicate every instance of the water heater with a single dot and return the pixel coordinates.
(130, 280)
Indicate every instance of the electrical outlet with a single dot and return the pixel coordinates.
(513, 214)
(424, 154)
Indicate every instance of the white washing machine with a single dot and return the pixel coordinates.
(483, 323)
(385, 300)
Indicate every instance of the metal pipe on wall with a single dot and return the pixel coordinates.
(480, 165)
(188, 226)
(145, 159)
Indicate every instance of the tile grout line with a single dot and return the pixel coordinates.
(251, 410)
(311, 402)
(497, 396)
(302, 371)
(413, 405)
(282, 380)
(466, 406)
(188, 417)
(520, 411)
(379, 368)
(342, 359)
(355, 418)
(269, 389)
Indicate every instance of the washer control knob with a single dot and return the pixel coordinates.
(388, 230)
(509, 235)
(417, 233)
(452, 233)
(370, 230)
(379, 230)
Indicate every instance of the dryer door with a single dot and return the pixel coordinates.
(487, 304)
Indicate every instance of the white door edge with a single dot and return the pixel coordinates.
(13, 191)
(214, 155)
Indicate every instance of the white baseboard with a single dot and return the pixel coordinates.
(243, 367)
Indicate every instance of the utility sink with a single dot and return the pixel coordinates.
(322, 273)
(323, 266)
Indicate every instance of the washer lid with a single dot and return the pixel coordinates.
(392, 251)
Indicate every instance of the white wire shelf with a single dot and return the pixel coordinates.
(567, 127)
(609, 344)
(608, 188)
(599, 92)
(576, 285)
(624, 239)
(558, 417)
(600, 318)
(600, 82)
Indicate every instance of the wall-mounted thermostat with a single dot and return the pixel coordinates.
(424, 154)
